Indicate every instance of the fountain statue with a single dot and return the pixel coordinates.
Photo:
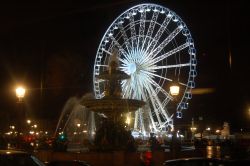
(111, 135)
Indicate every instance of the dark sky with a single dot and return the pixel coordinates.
(50, 48)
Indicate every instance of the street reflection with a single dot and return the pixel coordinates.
(213, 151)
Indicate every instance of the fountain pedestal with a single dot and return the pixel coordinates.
(111, 135)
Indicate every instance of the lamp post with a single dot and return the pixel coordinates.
(175, 145)
(174, 91)
(20, 93)
(193, 130)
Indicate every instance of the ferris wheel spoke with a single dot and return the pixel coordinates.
(153, 102)
(125, 37)
(141, 83)
(170, 66)
(106, 51)
(158, 89)
(182, 84)
(118, 45)
(169, 53)
(100, 81)
(141, 28)
(156, 75)
(165, 101)
(146, 59)
(150, 29)
(132, 29)
(124, 62)
(102, 65)
(127, 89)
(166, 41)
(140, 88)
(159, 32)
(158, 106)
(152, 120)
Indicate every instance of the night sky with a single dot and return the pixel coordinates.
(50, 48)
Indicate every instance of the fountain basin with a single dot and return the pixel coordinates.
(112, 105)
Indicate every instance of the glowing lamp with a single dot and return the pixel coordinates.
(174, 90)
(28, 121)
(20, 92)
(193, 129)
(128, 120)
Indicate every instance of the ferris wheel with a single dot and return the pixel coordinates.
(156, 49)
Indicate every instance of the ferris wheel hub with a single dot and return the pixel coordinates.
(131, 68)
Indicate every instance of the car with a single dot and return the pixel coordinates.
(200, 161)
(196, 161)
(68, 163)
(18, 158)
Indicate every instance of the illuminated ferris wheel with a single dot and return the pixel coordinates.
(156, 49)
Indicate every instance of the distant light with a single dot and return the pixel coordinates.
(128, 120)
(148, 9)
(155, 10)
(28, 121)
(169, 15)
(175, 19)
(208, 129)
(193, 129)
(162, 12)
(169, 135)
(12, 127)
(78, 125)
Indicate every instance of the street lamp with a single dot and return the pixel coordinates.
(28, 121)
(20, 93)
(174, 90)
(175, 145)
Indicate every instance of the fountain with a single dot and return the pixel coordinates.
(77, 124)
(111, 135)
